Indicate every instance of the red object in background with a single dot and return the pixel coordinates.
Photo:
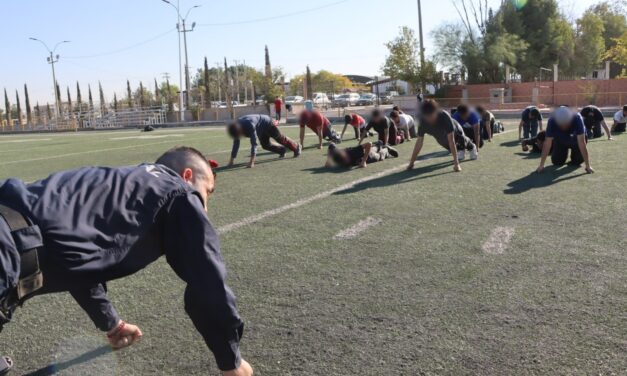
(278, 104)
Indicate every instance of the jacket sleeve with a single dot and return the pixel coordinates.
(95, 303)
(192, 249)
(253, 144)
(235, 148)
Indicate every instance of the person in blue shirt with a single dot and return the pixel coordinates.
(96, 224)
(565, 132)
(471, 124)
(264, 128)
(530, 123)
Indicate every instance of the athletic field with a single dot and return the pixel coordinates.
(493, 271)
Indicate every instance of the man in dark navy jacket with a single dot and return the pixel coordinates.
(101, 224)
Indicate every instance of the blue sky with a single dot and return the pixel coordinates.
(345, 37)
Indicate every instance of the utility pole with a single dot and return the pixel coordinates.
(188, 85)
(180, 26)
(237, 78)
(52, 60)
(422, 45)
(245, 84)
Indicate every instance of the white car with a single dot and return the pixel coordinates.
(321, 100)
(294, 99)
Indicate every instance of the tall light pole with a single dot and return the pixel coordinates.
(422, 45)
(188, 85)
(52, 59)
(180, 26)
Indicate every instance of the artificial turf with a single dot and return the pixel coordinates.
(415, 294)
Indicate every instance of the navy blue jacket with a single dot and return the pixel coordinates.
(252, 126)
(100, 224)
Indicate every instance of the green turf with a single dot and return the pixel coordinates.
(413, 295)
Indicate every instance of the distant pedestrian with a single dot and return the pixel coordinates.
(278, 108)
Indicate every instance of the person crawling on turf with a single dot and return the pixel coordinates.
(446, 131)
(360, 155)
(595, 123)
(357, 122)
(534, 143)
(320, 125)
(264, 128)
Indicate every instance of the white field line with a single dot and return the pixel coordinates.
(24, 140)
(84, 152)
(305, 201)
(146, 137)
(498, 241)
(354, 231)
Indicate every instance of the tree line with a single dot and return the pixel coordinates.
(528, 37)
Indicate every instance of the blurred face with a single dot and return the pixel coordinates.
(203, 183)
(431, 118)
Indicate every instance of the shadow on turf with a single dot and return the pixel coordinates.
(551, 175)
(529, 155)
(511, 144)
(53, 369)
(401, 178)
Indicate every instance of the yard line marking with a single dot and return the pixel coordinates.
(354, 231)
(146, 137)
(304, 201)
(498, 241)
(24, 140)
(85, 152)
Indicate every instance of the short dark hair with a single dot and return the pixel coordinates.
(480, 109)
(429, 106)
(233, 130)
(181, 157)
(394, 114)
(348, 118)
(396, 108)
(463, 109)
(625, 107)
(376, 113)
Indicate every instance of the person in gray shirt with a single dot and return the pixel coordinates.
(446, 131)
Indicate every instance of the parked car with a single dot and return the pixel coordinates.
(321, 100)
(294, 99)
(385, 99)
(261, 100)
(346, 100)
(367, 100)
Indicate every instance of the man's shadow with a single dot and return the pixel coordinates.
(529, 155)
(53, 369)
(511, 144)
(403, 177)
(551, 175)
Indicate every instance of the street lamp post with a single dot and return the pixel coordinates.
(52, 60)
(180, 27)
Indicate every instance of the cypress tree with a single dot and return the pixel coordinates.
(69, 101)
(79, 98)
(29, 116)
(103, 107)
(129, 94)
(115, 102)
(19, 108)
(37, 114)
(207, 87)
(141, 95)
(90, 98)
(7, 108)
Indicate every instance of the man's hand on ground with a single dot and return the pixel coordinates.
(244, 370)
(589, 170)
(410, 167)
(457, 168)
(251, 165)
(124, 335)
(540, 169)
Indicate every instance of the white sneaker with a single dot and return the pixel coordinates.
(474, 154)
(461, 155)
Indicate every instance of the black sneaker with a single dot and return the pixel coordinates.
(282, 155)
(393, 152)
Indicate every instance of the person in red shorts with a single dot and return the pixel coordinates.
(278, 107)
(320, 125)
(357, 122)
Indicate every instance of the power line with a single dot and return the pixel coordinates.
(122, 49)
(304, 11)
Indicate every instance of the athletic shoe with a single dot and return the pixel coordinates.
(461, 155)
(525, 147)
(5, 365)
(282, 155)
(393, 152)
(298, 151)
(474, 154)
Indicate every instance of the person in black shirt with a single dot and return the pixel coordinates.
(360, 155)
(385, 128)
(535, 143)
(594, 120)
